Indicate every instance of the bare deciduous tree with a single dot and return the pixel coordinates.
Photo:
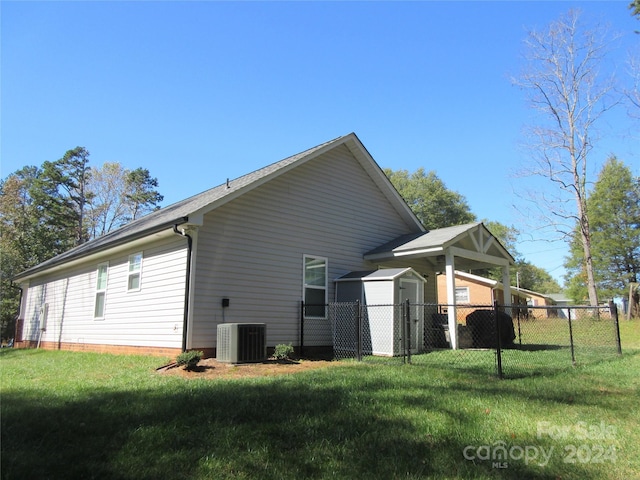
(633, 93)
(107, 210)
(563, 84)
(118, 196)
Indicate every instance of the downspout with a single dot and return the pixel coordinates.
(187, 285)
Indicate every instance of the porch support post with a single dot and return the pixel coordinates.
(506, 285)
(450, 273)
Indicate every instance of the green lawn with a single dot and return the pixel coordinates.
(68, 415)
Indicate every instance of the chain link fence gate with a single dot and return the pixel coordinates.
(388, 333)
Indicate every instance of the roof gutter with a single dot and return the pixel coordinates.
(187, 285)
(67, 256)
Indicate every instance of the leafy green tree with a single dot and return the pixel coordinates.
(141, 196)
(614, 209)
(48, 210)
(61, 196)
(533, 278)
(433, 203)
(25, 239)
(12, 231)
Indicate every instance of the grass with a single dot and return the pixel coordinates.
(81, 415)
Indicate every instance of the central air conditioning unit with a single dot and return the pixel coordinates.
(241, 342)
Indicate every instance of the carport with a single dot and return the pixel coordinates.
(461, 247)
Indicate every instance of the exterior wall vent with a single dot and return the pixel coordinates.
(241, 342)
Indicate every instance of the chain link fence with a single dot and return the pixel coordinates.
(507, 341)
(552, 338)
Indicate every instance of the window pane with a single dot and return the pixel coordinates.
(462, 294)
(315, 272)
(314, 299)
(101, 284)
(134, 281)
(134, 262)
(99, 311)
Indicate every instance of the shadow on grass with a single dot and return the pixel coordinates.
(533, 347)
(349, 423)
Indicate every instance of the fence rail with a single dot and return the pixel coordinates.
(503, 340)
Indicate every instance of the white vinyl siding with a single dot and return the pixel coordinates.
(101, 290)
(250, 249)
(153, 319)
(135, 272)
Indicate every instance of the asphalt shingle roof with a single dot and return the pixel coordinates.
(177, 213)
(424, 240)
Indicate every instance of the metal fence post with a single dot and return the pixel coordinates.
(613, 308)
(498, 339)
(408, 330)
(301, 328)
(403, 334)
(573, 353)
(358, 331)
(519, 328)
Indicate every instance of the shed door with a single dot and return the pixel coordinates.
(412, 290)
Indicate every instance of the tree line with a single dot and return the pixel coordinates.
(47, 210)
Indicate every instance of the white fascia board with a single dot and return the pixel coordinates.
(101, 255)
(478, 278)
(405, 253)
(479, 257)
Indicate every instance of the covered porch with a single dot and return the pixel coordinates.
(461, 247)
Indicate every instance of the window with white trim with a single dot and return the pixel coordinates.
(315, 286)
(462, 294)
(101, 290)
(135, 271)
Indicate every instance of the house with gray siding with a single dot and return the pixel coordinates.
(249, 250)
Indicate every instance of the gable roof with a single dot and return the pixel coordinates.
(374, 275)
(535, 294)
(437, 239)
(472, 243)
(192, 209)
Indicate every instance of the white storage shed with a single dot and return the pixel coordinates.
(383, 293)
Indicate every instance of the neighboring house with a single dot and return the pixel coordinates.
(563, 305)
(542, 304)
(249, 250)
(478, 291)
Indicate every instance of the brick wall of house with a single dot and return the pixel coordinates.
(479, 294)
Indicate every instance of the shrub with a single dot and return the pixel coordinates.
(189, 359)
(283, 352)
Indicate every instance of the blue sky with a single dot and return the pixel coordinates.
(198, 92)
